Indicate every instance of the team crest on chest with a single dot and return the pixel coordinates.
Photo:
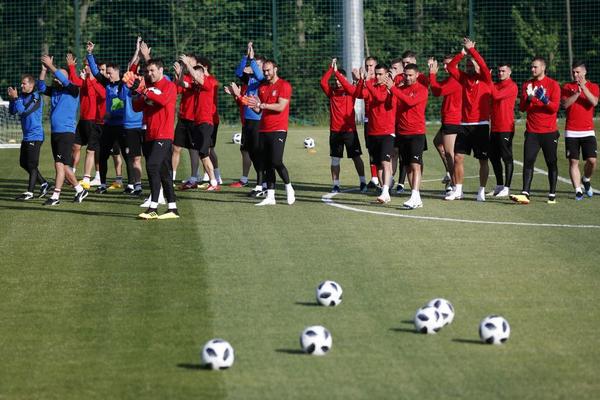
(274, 92)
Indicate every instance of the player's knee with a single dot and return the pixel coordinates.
(335, 161)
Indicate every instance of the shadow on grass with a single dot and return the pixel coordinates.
(405, 330)
(191, 366)
(307, 303)
(290, 351)
(468, 341)
(53, 209)
(408, 321)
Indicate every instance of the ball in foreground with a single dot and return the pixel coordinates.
(309, 143)
(217, 354)
(329, 293)
(316, 340)
(445, 308)
(494, 329)
(237, 138)
(428, 320)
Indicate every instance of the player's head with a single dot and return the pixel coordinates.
(64, 73)
(446, 60)
(538, 67)
(409, 57)
(472, 67)
(411, 73)
(370, 63)
(337, 82)
(270, 70)
(396, 66)
(381, 71)
(112, 72)
(579, 70)
(155, 69)
(205, 62)
(504, 71)
(260, 60)
(102, 67)
(27, 83)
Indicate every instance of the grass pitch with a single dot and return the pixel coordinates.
(96, 304)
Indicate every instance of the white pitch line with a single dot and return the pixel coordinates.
(560, 178)
(328, 200)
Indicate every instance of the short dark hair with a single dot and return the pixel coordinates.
(409, 53)
(396, 61)
(204, 61)
(414, 67)
(29, 77)
(381, 66)
(158, 62)
(112, 65)
(448, 57)
(504, 64)
(269, 61)
(540, 59)
(578, 63)
(260, 58)
(99, 62)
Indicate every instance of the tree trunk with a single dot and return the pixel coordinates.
(301, 31)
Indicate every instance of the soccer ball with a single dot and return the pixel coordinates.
(428, 320)
(329, 293)
(494, 329)
(237, 138)
(316, 340)
(309, 143)
(217, 354)
(445, 309)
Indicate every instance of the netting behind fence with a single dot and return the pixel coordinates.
(302, 35)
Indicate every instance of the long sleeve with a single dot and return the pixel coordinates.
(95, 71)
(162, 98)
(239, 71)
(325, 82)
(509, 91)
(484, 73)
(258, 74)
(67, 84)
(453, 67)
(379, 95)
(420, 96)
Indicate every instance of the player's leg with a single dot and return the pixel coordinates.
(531, 147)
(266, 147)
(572, 147)
(278, 147)
(496, 161)
(251, 142)
(589, 150)
(202, 139)
(438, 142)
(336, 152)
(166, 180)
(214, 159)
(412, 153)
(386, 147)
(354, 151)
(549, 146)
(25, 163)
(481, 148)
(462, 148)
(507, 158)
(449, 139)
(153, 166)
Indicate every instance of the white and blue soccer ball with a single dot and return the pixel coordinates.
(428, 320)
(494, 329)
(309, 143)
(329, 293)
(217, 354)
(445, 308)
(316, 340)
(237, 138)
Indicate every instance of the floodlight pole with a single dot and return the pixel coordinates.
(354, 43)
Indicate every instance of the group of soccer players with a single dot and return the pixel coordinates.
(134, 112)
(477, 116)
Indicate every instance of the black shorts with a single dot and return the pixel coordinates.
(411, 148)
(62, 147)
(201, 138)
(501, 145)
(349, 140)
(381, 148)
(131, 142)
(88, 134)
(109, 141)
(213, 135)
(250, 136)
(451, 129)
(183, 133)
(29, 156)
(473, 137)
(587, 144)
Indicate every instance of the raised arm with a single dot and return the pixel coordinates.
(135, 59)
(325, 82)
(452, 66)
(145, 51)
(484, 73)
(73, 75)
(197, 74)
(420, 96)
(92, 64)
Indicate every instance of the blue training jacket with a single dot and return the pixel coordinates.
(64, 103)
(29, 107)
(119, 107)
(254, 81)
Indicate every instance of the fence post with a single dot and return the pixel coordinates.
(569, 33)
(354, 43)
(471, 19)
(274, 30)
(76, 15)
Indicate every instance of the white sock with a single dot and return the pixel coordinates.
(415, 195)
(481, 189)
(271, 194)
(258, 188)
(458, 188)
(218, 174)
(385, 190)
(375, 180)
(586, 179)
(78, 188)
(86, 179)
(129, 186)
(213, 182)
(336, 182)
(55, 194)
(74, 170)
(578, 189)
(171, 206)
(174, 175)
(97, 176)
(154, 204)
(288, 187)
(362, 179)
(244, 179)
(205, 177)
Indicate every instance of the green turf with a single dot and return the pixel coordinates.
(96, 304)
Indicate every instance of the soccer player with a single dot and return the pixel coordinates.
(504, 95)
(122, 123)
(204, 127)
(92, 98)
(273, 101)
(158, 101)
(64, 101)
(579, 99)
(370, 63)
(410, 127)
(475, 133)
(540, 98)
(29, 107)
(382, 116)
(451, 112)
(185, 123)
(250, 72)
(342, 124)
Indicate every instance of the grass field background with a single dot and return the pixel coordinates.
(96, 304)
